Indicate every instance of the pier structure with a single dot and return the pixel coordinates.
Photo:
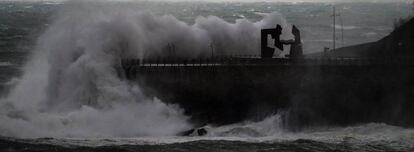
(225, 90)
(132, 66)
(315, 90)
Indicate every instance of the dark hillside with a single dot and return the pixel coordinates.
(400, 43)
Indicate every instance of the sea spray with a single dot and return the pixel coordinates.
(71, 88)
(270, 126)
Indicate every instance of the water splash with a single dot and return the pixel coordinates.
(269, 126)
(71, 86)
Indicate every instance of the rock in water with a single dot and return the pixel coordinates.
(194, 132)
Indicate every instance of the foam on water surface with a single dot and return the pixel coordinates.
(70, 86)
(71, 92)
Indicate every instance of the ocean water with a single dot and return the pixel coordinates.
(60, 92)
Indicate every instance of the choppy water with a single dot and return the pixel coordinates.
(369, 137)
(362, 22)
(22, 23)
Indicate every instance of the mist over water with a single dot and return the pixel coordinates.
(71, 85)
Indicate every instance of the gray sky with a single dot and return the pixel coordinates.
(408, 1)
(299, 0)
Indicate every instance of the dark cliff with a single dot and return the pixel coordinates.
(400, 43)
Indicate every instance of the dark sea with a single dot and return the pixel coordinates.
(28, 28)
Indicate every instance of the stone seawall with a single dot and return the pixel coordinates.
(312, 94)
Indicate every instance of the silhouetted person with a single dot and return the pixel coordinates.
(296, 50)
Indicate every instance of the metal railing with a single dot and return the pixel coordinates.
(255, 60)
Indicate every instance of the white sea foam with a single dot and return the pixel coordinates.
(271, 130)
(369, 34)
(346, 27)
(268, 130)
(70, 86)
(5, 64)
(70, 89)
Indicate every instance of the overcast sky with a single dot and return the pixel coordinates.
(392, 1)
(252, 0)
